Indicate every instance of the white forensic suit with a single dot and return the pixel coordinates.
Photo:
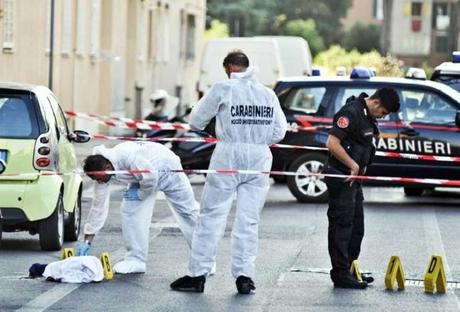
(248, 119)
(137, 214)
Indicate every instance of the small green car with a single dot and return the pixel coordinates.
(34, 139)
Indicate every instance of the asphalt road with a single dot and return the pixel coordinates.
(292, 264)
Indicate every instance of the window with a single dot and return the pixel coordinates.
(61, 123)
(344, 93)
(190, 38)
(426, 107)
(378, 9)
(416, 9)
(305, 100)
(441, 18)
(67, 21)
(140, 33)
(8, 25)
(442, 44)
(95, 27)
(15, 118)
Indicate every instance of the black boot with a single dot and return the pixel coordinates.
(188, 283)
(244, 285)
(349, 281)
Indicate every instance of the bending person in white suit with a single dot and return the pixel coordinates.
(139, 197)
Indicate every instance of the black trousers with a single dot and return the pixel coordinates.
(346, 223)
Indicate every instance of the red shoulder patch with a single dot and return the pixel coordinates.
(343, 122)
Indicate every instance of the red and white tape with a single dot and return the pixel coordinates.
(314, 148)
(402, 180)
(127, 123)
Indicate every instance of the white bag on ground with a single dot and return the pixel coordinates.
(83, 269)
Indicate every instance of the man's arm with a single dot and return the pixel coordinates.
(206, 109)
(336, 149)
(280, 122)
(98, 211)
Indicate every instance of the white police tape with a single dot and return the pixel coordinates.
(402, 180)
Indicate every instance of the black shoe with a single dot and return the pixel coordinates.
(349, 282)
(244, 285)
(367, 277)
(188, 283)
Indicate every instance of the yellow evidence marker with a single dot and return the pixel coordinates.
(67, 252)
(395, 272)
(105, 260)
(354, 270)
(435, 276)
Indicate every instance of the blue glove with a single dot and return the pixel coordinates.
(83, 249)
(131, 194)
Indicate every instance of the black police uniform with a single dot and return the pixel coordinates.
(355, 128)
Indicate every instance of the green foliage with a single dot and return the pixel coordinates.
(217, 30)
(307, 30)
(261, 17)
(362, 37)
(336, 56)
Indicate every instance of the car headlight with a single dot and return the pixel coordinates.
(2, 166)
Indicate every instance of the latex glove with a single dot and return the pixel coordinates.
(83, 249)
(131, 194)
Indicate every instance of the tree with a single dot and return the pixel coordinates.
(307, 30)
(217, 30)
(262, 17)
(362, 37)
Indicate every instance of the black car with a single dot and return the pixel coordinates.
(426, 124)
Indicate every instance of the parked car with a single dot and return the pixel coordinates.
(35, 139)
(449, 72)
(427, 123)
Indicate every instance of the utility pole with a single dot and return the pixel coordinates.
(50, 67)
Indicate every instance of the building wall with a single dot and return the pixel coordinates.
(109, 55)
(363, 11)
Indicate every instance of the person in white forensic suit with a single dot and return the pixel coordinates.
(139, 196)
(248, 119)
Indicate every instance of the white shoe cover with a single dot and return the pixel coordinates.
(129, 266)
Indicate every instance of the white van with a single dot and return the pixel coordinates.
(295, 55)
(262, 52)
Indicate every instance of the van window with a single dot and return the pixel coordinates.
(17, 118)
(305, 100)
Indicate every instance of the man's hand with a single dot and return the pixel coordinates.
(83, 249)
(131, 194)
(354, 170)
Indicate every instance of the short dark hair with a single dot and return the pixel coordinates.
(95, 163)
(388, 98)
(236, 57)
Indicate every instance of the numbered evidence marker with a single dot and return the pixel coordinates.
(395, 272)
(354, 270)
(67, 252)
(105, 260)
(435, 277)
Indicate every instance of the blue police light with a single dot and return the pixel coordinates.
(361, 73)
(456, 57)
(316, 71)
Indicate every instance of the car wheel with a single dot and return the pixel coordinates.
(308, 189)
(72, 228)
(51, 230)
(413, 191)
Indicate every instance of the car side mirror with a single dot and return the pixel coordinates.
(457, 119)
(79, 136)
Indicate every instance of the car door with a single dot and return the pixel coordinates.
(428, 128)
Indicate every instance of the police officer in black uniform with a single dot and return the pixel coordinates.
(350, 151)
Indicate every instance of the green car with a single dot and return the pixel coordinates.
(35, 140)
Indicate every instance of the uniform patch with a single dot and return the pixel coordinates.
(343, 122)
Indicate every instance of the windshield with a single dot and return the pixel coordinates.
(17, 117)
(451, 81)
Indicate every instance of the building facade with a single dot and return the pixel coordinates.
(364, 11)
(108, 56)
(418, 31)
